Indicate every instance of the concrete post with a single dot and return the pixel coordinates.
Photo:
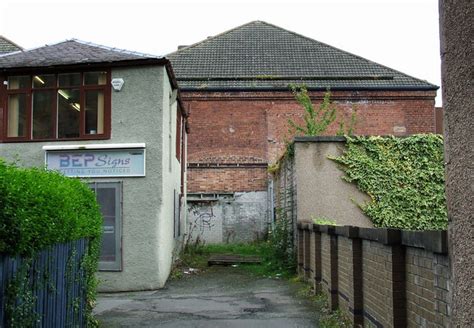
(334, 289)
(306, 256)
(456, 32)
(317, 259)
(300, 250)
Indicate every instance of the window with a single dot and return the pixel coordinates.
(58, 106)
(109, 196)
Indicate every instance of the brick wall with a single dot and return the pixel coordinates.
(427, 288)
(227, 179)
(381, 277)
(253, 126)
(377, 285)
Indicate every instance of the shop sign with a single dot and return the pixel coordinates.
(98, 163)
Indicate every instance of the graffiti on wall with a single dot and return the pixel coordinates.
(203, 217)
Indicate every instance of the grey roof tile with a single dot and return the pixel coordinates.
(68, 52)
(259, 55)
(7, 46)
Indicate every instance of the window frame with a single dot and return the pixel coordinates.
(5, 92)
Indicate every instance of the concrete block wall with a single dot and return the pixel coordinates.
(228, 218)
(428, 288)
(379, 277)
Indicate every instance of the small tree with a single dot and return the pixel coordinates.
(317, 120)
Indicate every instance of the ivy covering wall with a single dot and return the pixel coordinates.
(40, 208)
(404, 178)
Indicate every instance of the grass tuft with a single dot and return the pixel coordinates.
(196, 256)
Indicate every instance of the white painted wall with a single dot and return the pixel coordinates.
(140, 114)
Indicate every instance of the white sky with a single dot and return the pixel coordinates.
(401, 34)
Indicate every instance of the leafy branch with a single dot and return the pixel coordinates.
(317, 119)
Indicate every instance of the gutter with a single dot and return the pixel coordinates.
(248, 89)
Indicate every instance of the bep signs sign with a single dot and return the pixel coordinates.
(98, 163)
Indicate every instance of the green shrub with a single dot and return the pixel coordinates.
(404, 178)
(39, 208)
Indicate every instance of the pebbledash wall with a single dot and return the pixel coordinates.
(235, 135)
(379, 277)
(307, 185)
(140, 114)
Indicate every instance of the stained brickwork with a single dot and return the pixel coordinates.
(233, 179)
(252, 127)
(385, 278)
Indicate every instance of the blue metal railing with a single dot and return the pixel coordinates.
(48, 290)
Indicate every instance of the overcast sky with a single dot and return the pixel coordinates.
(401, 34)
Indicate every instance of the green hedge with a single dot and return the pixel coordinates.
(39, 208)
(404, 178)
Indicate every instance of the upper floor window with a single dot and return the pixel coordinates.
(58, 106)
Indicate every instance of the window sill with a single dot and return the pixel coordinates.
(97, 146)
(18, 140)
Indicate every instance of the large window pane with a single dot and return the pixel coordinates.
(69, 113)
(18, 82)
(16, 121)
(94, 112)
(108, 197)
(69, 80)
(44, 81)
(42, 114)
(106, 200)
(95, 78)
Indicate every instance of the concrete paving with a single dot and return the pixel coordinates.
(220, 297)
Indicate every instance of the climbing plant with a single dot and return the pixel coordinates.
(316, 120)
(404, 178)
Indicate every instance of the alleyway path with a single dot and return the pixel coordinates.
(220, 297)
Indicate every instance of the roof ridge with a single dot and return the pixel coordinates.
(11, 53)
(124, 51)
(213, 37)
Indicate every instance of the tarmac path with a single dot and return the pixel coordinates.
(220, 297)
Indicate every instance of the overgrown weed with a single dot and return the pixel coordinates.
(327, 318)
